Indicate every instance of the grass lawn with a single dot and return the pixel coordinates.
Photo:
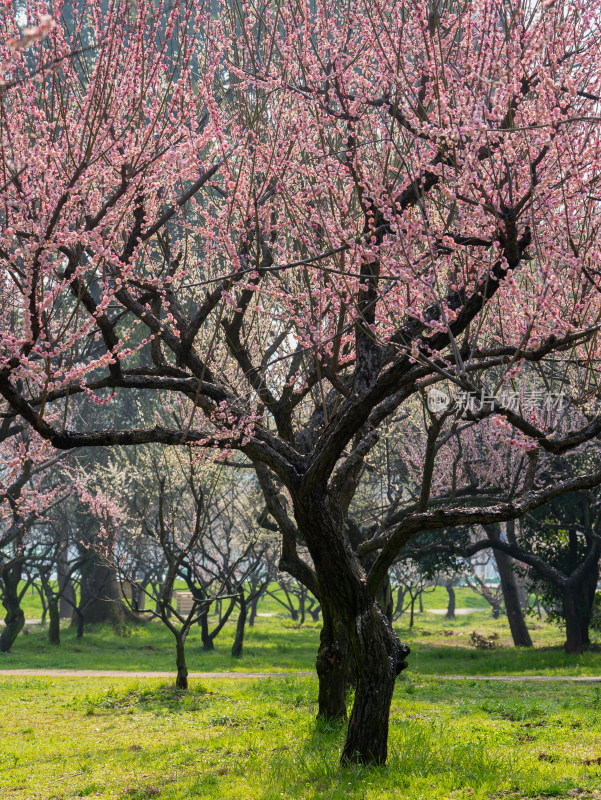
(67, 738)
(251, 740)
(275, 643)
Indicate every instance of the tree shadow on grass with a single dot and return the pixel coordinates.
(164, 698)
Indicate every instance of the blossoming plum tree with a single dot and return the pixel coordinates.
(283, 220)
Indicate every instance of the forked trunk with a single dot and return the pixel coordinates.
(351, 613)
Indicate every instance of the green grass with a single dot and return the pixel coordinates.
(258, 740)
(277, 644)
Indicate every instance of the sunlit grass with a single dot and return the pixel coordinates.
(259, 739)
(275, 643)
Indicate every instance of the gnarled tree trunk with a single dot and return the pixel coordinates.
(15, 618)
(332, 666)
(348, 605)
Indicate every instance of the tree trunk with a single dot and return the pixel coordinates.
(332, 668)
(400, 599)
(379, 657)
(203, 621)
(44, 603)
(15, 618)
(181, 682)
(239, 638)
(65, 584)
(578, 602)
(451, 604)
(384, 598)
(54, 629)
(347, 603)
(574, 641)
(79, 621)
(511, 596)
(253, 611)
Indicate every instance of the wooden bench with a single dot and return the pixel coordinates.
(185, 602)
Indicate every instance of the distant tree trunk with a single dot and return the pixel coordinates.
(67, 590)
(421, 603)
(574, 624)
(239, 638)
(451, 604)
(44, 603)
(15, 618)
(54, 629)
(181, 682)
(100, 600)
(412, 614)
(203, 621)
(400, 599)
(253, 610)
(301, 604)
(78, 618)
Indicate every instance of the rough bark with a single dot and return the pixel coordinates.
(14, 620)
(578, 601)
(332, 667)
(377, 653)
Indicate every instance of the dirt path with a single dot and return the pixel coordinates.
(98, 673)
